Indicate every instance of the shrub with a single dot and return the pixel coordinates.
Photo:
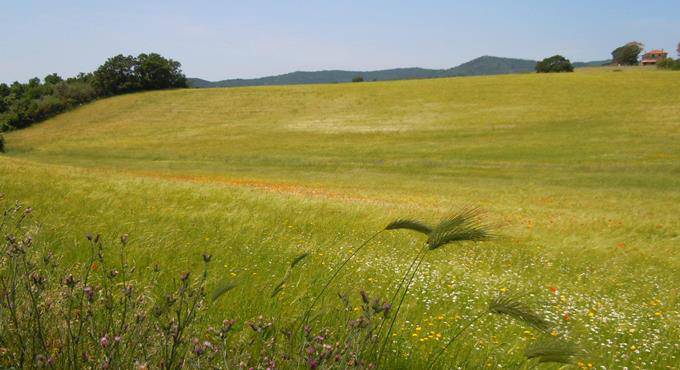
(668, 63)
(2, 144)
(358, 79)
(555, 63)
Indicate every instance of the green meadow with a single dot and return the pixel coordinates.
(579, 175)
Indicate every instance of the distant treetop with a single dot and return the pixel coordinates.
(628, 54)
(555, 63)
(24, 104)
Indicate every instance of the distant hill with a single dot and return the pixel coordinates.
(596, 63)
(486, 65)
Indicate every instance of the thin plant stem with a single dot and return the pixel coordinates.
(335, 274)
(420, 257)
(441, 351)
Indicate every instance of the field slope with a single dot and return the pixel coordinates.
(580, 172)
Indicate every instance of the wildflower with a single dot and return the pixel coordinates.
(70, 281)
(198, 348)
(386, 309)
(553, 290)
(565, 317)
(364, 296)
(124, 239)
(554, 333)
(206, 257)
(89, 293)
(184, 276)
(104, 341)
(94, 266)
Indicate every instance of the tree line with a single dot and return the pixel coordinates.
(625, 55)
(22, 104)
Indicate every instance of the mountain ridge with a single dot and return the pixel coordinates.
(484, 65)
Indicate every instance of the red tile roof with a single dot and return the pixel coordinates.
(656, 52)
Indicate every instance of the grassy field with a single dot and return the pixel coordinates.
(579, 172)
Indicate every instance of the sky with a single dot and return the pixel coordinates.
(216, 40)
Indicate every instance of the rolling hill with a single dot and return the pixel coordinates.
(485, 65)
(578, 173)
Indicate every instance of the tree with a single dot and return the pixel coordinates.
(52, 79)
(156, 72)
(555, 63)
(628, 54)
(678, 50)
(358, 79)
(4, 93)
(117, 76)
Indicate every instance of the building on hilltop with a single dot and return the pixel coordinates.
(652, 57)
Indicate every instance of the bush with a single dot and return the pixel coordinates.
(669, 64)
(358, 79)
(556, 63)
(2, 144)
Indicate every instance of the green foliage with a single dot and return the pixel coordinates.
(555, 63)
(358, 79)
(2, 144)
(117, 76)
(52, 79)
(669, 63)
(122, 74)
(627, 55)
(156, 72)
(24, 104)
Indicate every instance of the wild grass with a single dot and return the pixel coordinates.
(578, 173)
(97, 315)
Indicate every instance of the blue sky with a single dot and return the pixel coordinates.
(226, 39)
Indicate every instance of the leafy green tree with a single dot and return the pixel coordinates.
(52, 79)
(358, 79)
(4, 90)
(117, 76)
(155, 72)
(555, 63)
(4, 93)
(627, 55)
